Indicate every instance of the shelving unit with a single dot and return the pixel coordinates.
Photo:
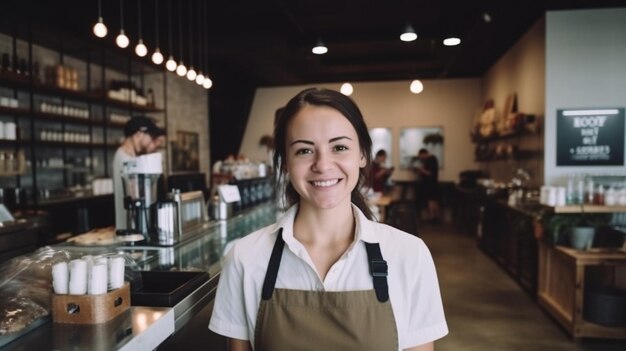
(485, 152)
(67, 135)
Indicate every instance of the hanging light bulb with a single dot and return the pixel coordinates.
(416, 86)
(122, 40)
(181, 70)
(409, 34)
(141, 50)
(157, 57)
(191, 74)
(208, 83)
(99, 29)
(171, 64)
(200, 78)
(346, 89)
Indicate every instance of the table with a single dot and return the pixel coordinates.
(382, 202)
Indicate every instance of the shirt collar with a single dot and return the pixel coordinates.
(364, 229)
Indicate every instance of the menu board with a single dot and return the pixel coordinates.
(590, 137)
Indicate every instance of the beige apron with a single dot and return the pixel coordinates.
(290, 320)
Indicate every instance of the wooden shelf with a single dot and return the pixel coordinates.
(14, 111)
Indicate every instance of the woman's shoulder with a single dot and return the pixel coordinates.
(256, 241)
(391, 238)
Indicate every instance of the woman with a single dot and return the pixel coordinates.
(380, 173)
(325, 276)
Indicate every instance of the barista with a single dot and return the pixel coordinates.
(141, 136)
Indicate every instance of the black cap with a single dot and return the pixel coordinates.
(142, 124)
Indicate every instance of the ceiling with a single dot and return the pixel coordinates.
(268, 42)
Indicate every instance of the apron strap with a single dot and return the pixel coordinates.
(378, 270)
(272, 267)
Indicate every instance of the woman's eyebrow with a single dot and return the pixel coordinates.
(308, 142)
(338, 138)
(302, 141)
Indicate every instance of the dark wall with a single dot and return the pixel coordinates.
(230, 102)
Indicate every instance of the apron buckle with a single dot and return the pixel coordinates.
(378, 268)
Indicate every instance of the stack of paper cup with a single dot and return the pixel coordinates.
(116, 272)
(60, 277)
(78, 277)
(98, 279)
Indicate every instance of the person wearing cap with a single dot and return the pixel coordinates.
(141, 136)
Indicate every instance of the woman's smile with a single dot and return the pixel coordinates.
(325, 183)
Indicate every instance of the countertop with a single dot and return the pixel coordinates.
(144, 328)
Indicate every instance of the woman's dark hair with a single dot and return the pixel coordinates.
(345, 106)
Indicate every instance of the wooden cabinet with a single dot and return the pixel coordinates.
(565, 273)
(506, 234)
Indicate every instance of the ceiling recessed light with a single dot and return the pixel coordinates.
(452, 41)
(409, 34)
(319, 48)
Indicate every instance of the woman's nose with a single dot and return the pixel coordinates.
(322, 162)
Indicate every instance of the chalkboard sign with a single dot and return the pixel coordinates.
(590, 137)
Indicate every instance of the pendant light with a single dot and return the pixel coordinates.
(99, 29)
(191, 73)
(157, 57)
(170, 64)
(181, 70)
(409, 34)
(122, 40)
(346, 89)
(141, 50)
(416, 86)
(207, 83)
(200, 76)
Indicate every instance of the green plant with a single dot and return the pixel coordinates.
(434, 138)
(558, 225)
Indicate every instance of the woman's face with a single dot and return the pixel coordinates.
(323, 157)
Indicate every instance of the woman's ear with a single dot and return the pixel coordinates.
(363, 161)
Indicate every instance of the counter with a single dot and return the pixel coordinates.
(144, 328)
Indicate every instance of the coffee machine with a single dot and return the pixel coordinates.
(139, 177)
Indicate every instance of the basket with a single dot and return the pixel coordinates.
(90, 309)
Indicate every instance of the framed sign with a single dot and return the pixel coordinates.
(590, 137)
(186, 152)
(415, 138)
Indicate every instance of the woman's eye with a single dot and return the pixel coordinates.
(340, 148)
(303, 151)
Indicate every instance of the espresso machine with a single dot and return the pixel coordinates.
(139, 177)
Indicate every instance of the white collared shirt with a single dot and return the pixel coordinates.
(412, 280)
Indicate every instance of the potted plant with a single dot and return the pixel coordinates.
(573, 229)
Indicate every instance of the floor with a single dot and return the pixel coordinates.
(485, 309)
